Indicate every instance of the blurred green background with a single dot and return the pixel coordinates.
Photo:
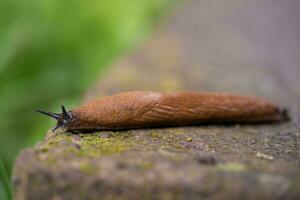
(51, 51)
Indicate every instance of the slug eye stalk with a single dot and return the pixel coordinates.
(62, 118)
(50, 114)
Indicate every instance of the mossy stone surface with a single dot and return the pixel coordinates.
(199, 47)
(162, 163)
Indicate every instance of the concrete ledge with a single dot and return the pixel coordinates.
(179, 163)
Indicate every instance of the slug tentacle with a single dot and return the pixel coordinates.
(62, 119)
(50, 114)
(151, 109)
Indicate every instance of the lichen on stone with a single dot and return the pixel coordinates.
(93, 145)
(62, 146)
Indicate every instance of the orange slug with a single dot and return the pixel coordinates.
(133, 110)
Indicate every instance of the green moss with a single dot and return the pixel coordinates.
(104, 147)
(146, 165)
(44, 149)
(87, 168)
(94, 146)
(52, 142)
(164, 136)
(177, 131)
(232, 167)
(62, 147)
(50, 160)
(91, 144)
(55, 139)
(156, 135)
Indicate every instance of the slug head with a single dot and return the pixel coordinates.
(62, 119)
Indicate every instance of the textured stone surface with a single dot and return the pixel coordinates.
(247, 47)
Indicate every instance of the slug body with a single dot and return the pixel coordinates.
(151, 109)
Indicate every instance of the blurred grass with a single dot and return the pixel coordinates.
(51, 51)
(5, 186)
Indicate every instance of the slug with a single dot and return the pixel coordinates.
(133, 110)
